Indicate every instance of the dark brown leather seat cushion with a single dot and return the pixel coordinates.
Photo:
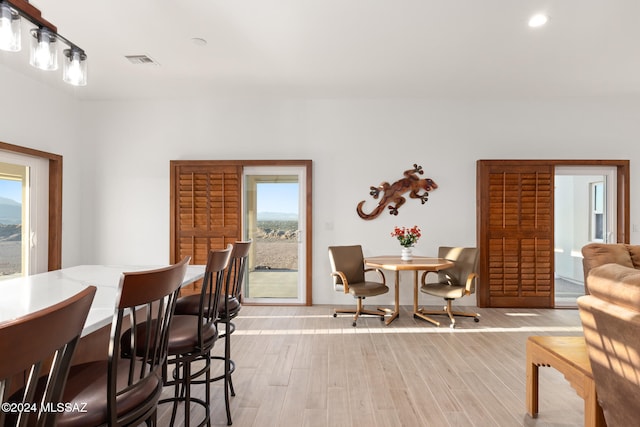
(183, 336)
(86, 394)
(87, 384)
(234, 308)
(190, 305)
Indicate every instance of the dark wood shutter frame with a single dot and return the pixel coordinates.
(517, 268)
(515, 231)
(207, 211)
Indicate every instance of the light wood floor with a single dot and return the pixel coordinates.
(299, 366)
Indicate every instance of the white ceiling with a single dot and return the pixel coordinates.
(350, 48)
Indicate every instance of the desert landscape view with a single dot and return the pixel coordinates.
(10, 259)
(10, 234)
(275, 242)
(10, 243)
(276, 245)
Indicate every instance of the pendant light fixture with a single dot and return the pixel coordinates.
(44, 52)
(10, 39)
(75, 67)
(44, 41)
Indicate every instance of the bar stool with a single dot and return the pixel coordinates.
(228, 309)
(26, 344)
(191, 338)
(125, 388)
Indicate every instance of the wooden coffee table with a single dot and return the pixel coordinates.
(569, 356)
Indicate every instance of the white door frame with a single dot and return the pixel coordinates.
(301, 172)
(37, 208)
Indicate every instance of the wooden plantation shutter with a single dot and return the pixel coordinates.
(206, 210)
(515, 234)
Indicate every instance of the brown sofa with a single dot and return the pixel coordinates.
(610, 318)
(596, 254)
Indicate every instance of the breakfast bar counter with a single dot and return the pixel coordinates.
(23, 295)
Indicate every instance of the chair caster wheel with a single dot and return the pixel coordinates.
(353, 324)
(335, 314)
(452, 326)
(476, 319)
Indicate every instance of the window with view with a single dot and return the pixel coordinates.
(13, 238)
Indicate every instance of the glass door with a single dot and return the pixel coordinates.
(585, 212)
(274, 219)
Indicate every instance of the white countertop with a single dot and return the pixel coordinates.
(23, 295)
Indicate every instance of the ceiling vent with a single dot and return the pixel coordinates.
(141, 59)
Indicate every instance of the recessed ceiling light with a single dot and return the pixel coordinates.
(538, 20)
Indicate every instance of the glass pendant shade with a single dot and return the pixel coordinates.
(75, 67)
(44, 52)
(10, 39)
(44, 41)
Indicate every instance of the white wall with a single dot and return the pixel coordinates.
(564, 221)
(354, 144)
(116, 160)
(34, 115)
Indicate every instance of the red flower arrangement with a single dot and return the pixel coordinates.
(407, 236)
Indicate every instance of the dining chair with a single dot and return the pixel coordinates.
(348, 272)
(228, 309)
(27, 345)
(453, 283)
(191, 339)
(124, 388)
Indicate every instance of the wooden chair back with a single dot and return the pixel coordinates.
(212, 285)
(146, 298)
(237, 268)
(40, 344)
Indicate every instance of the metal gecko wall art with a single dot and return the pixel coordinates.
(392, 194)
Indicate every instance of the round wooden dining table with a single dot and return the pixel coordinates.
(416, 264)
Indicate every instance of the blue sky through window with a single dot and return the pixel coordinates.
(279, 197)
(11, 189)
